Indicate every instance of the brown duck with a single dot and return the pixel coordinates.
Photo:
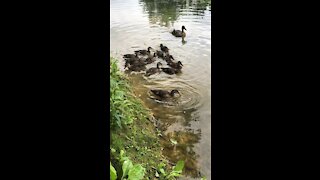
(168, 58)
(151, 59)
(178, 33)
(165, 94)
(130, 55)
(177, 65)
(170, 71)
(164, 48)
(160, 54)
(154, 70)
(144, 52)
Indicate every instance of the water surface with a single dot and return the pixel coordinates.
(137, 24)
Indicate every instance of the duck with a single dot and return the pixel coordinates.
(160, 54)
(165, 94)
(144, 52)
(134, 62)
(168, 58)
(153, 70)
(164, 48)
(137, 68)
(178, 33)
(170, 71)
(177, 65)
(151, 59)
(130, 55)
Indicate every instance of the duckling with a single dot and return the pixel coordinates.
(165, 94)
(153, 70)
(144, 52)
(164, 48)
(151, 59)
(168, 58)
(130, 55)
(137, 68)
(177, 65)
(178, 33)
(134, 62)
(160, 54)
(170, 70)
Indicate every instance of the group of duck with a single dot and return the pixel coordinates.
(135, 63)
(147, 56)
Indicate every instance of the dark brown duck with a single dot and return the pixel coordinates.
(165, 94)
(151, 59)
(144, 52)
(177, 65)
(170, 71)
(154, 70)
(178, 33)
(164, 48)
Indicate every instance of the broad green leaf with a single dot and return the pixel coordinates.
(136, 173)
(113, 172)
(179, 166)
(126, 166)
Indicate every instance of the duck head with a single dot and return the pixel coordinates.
(149, 49)
(174, 92)
(183, 28)
(179, 62)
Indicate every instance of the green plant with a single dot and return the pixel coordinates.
(176, 171)
(124, 108)
(113, 172)
(129, 171)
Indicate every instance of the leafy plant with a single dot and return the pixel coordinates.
(129, 171)
(176, 172)
(113, 172)
(124, 109)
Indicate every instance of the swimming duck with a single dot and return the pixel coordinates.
(144, 52)
(177, 65)
(130, 55)
(153, 70)
(151, 59)
(178, 33)
(170, 70)
(137, 68)
(164, 48)
(134, 62)
(160, 54)
(168, 58)
(165, 94)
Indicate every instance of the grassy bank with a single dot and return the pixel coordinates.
(135, 147)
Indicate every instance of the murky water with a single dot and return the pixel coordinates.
(137, 24)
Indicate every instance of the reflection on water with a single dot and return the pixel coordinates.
(168, 11)
(137, 24)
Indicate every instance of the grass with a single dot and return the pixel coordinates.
(131, 128)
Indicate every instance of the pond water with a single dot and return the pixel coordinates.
(138, 24)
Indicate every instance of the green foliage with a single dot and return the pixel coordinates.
(176, 172)
(113, 172)
(129, 171)
(136, 172)
(131, 130)
(124, 107)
